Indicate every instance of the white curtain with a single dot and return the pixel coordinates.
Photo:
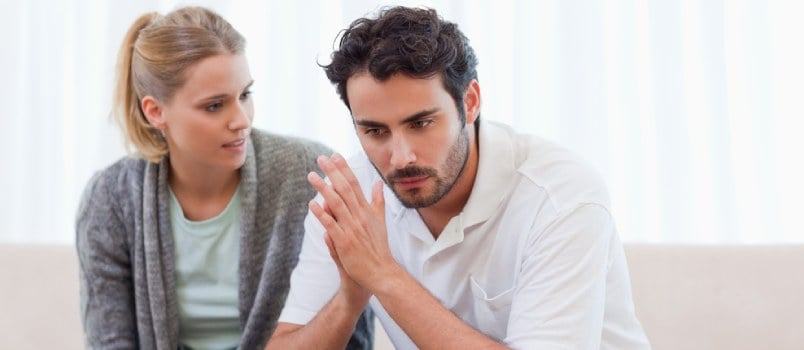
(691, 110)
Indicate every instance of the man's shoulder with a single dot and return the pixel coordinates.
(567, 179)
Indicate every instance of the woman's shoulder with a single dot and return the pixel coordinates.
(117, 181)
(110, 198)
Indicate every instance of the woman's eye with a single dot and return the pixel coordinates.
(245, 95)
(214, 107)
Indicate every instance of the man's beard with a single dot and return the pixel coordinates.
(452, 168)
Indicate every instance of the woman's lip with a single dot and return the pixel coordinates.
(235, 143)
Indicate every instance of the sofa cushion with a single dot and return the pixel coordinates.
(719, 296)
(39, 297)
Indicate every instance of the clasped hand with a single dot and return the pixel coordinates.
(356, 234)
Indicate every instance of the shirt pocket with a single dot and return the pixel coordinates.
(492, 311)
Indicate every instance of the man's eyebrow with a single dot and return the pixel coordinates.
(369, 123)
(373, 124)
(421, 114)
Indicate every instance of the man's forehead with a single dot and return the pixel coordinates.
(398, 98)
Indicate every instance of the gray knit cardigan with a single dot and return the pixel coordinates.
(125, 247)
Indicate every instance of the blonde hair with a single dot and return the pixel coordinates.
(152, 60)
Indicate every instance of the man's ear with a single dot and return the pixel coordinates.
(152, 110)
(471, 101)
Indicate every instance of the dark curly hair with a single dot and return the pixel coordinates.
(412, 41)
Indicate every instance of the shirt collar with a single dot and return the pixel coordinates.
(495, 170)
(492, 182)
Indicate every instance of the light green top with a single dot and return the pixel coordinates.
(206, 254)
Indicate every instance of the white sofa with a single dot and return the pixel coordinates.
(39, 297)
(687, 296)
(719, 297)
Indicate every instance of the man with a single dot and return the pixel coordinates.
(473, 237)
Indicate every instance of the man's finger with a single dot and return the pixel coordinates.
(340, 184)
(347, 173)
(378, 199)
(326, 220)
(332, 251)
(335, 205)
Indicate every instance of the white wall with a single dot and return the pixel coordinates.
(690, 110)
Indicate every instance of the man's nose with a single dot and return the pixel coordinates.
(402, 153)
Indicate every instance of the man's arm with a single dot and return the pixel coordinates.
(358, 243)
(560, 297)
(329, 329)
(333, 325)
(424, 319)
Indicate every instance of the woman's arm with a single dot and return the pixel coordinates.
(107, 301)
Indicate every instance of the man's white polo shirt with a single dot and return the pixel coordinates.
(533, 260)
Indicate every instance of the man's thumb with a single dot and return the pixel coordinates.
(377, 198)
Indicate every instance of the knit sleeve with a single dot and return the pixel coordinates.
(107, 302)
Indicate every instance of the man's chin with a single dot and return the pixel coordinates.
(413, 204)
(413, 199)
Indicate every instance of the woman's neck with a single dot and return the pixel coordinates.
(202, 193)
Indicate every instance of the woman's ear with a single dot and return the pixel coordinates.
(152, 110)
(471, 101)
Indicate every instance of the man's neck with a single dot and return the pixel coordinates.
(437, 216)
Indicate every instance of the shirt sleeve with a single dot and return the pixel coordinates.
(559, 299)
(315, 279)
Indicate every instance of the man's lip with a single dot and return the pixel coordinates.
(408, 183)
(407, 180)
(235, 143)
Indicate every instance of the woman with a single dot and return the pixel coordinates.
(191, 243)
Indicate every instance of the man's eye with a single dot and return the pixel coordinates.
(374, 132)
(421, 123)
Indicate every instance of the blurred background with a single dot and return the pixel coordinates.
(690, 110)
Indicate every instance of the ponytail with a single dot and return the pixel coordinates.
(152, 60)
(126, 103)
